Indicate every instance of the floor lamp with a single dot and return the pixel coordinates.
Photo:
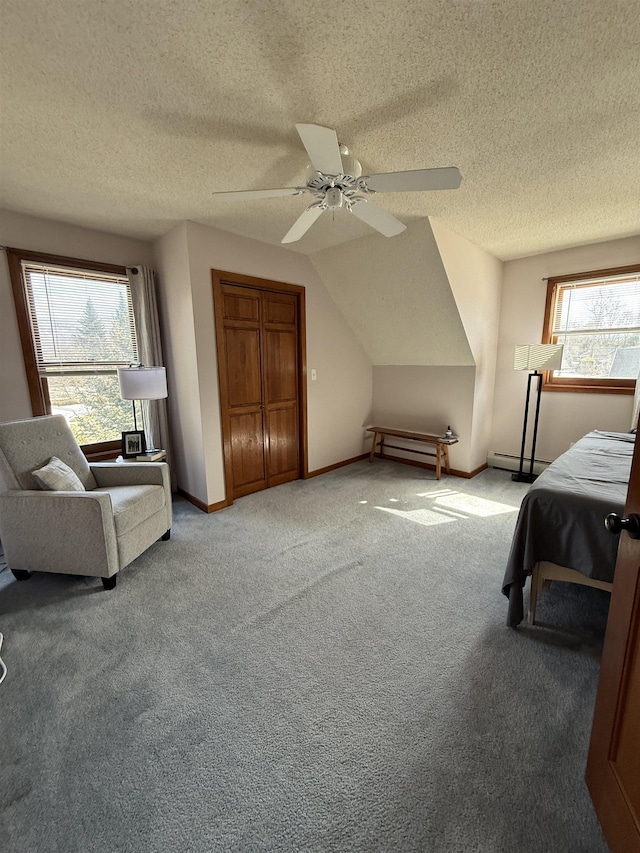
(534, 357)
(142, 383)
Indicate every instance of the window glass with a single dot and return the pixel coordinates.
(93, 407)
(82, 328)
(599, 325)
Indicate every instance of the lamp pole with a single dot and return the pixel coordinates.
(520, 476)
(536, 358)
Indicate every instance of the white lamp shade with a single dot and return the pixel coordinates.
(538, 357)
(142, 383)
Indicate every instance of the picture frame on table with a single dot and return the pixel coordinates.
(133, 444)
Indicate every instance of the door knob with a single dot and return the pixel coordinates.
(615, 524)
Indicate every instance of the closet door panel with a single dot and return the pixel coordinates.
(283, 453)
(244, 413)
(281, 387)
(281, 380)
(279, 310)
(244, 367)
(247, 452)
(241, 306)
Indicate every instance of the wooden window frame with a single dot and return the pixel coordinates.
(38, 385)
(582, 385)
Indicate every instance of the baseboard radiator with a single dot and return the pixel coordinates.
(512, 463)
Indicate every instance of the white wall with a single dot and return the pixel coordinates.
(475, 277)
(564, 417)
(395, 295)
(175, 305)
(426, 399)
(339, 401)
(57, 238)
(398, 298)
(428, 303)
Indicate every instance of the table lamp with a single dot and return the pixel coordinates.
(142, 383)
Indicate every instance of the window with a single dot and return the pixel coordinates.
(596, 316)
(77, 326)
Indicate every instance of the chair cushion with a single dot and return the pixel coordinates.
(55, 476)
(133, 505)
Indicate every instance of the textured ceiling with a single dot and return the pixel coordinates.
(125, 115)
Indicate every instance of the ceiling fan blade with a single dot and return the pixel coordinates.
(302, 224)
(378, 218)
(416, 180)
(249, 194)
(322, 147)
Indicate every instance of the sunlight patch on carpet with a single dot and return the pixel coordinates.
(449, 505)
(474, 505)
(427, 517)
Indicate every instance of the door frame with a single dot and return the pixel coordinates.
(218, 278)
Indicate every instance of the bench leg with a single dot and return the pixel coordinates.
(373, 446)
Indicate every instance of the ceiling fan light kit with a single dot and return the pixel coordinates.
(335, 180)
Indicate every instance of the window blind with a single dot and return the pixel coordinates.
(81, 321)
(598, 305)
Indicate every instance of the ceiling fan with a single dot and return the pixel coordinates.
(336, 181)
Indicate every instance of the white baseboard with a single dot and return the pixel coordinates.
(512, 463)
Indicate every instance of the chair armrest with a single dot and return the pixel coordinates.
(71, 532)
(131, 474)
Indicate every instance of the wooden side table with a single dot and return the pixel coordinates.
(124, 461)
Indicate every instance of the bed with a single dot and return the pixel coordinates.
(560, 532)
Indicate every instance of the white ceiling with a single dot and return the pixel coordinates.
(125, 115)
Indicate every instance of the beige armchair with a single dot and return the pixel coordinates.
(124, 510)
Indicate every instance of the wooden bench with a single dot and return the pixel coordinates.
(441, 453)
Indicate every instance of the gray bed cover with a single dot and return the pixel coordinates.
(561, 518)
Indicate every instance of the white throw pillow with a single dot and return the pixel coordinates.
(56, 476)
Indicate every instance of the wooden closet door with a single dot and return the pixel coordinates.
(260, 392)
(280, 382)
(244, 415)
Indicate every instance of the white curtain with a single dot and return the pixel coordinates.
(145, 312)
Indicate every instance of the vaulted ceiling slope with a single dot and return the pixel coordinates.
(397, 298)
(126, 115)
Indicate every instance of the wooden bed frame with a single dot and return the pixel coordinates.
(543, 575)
